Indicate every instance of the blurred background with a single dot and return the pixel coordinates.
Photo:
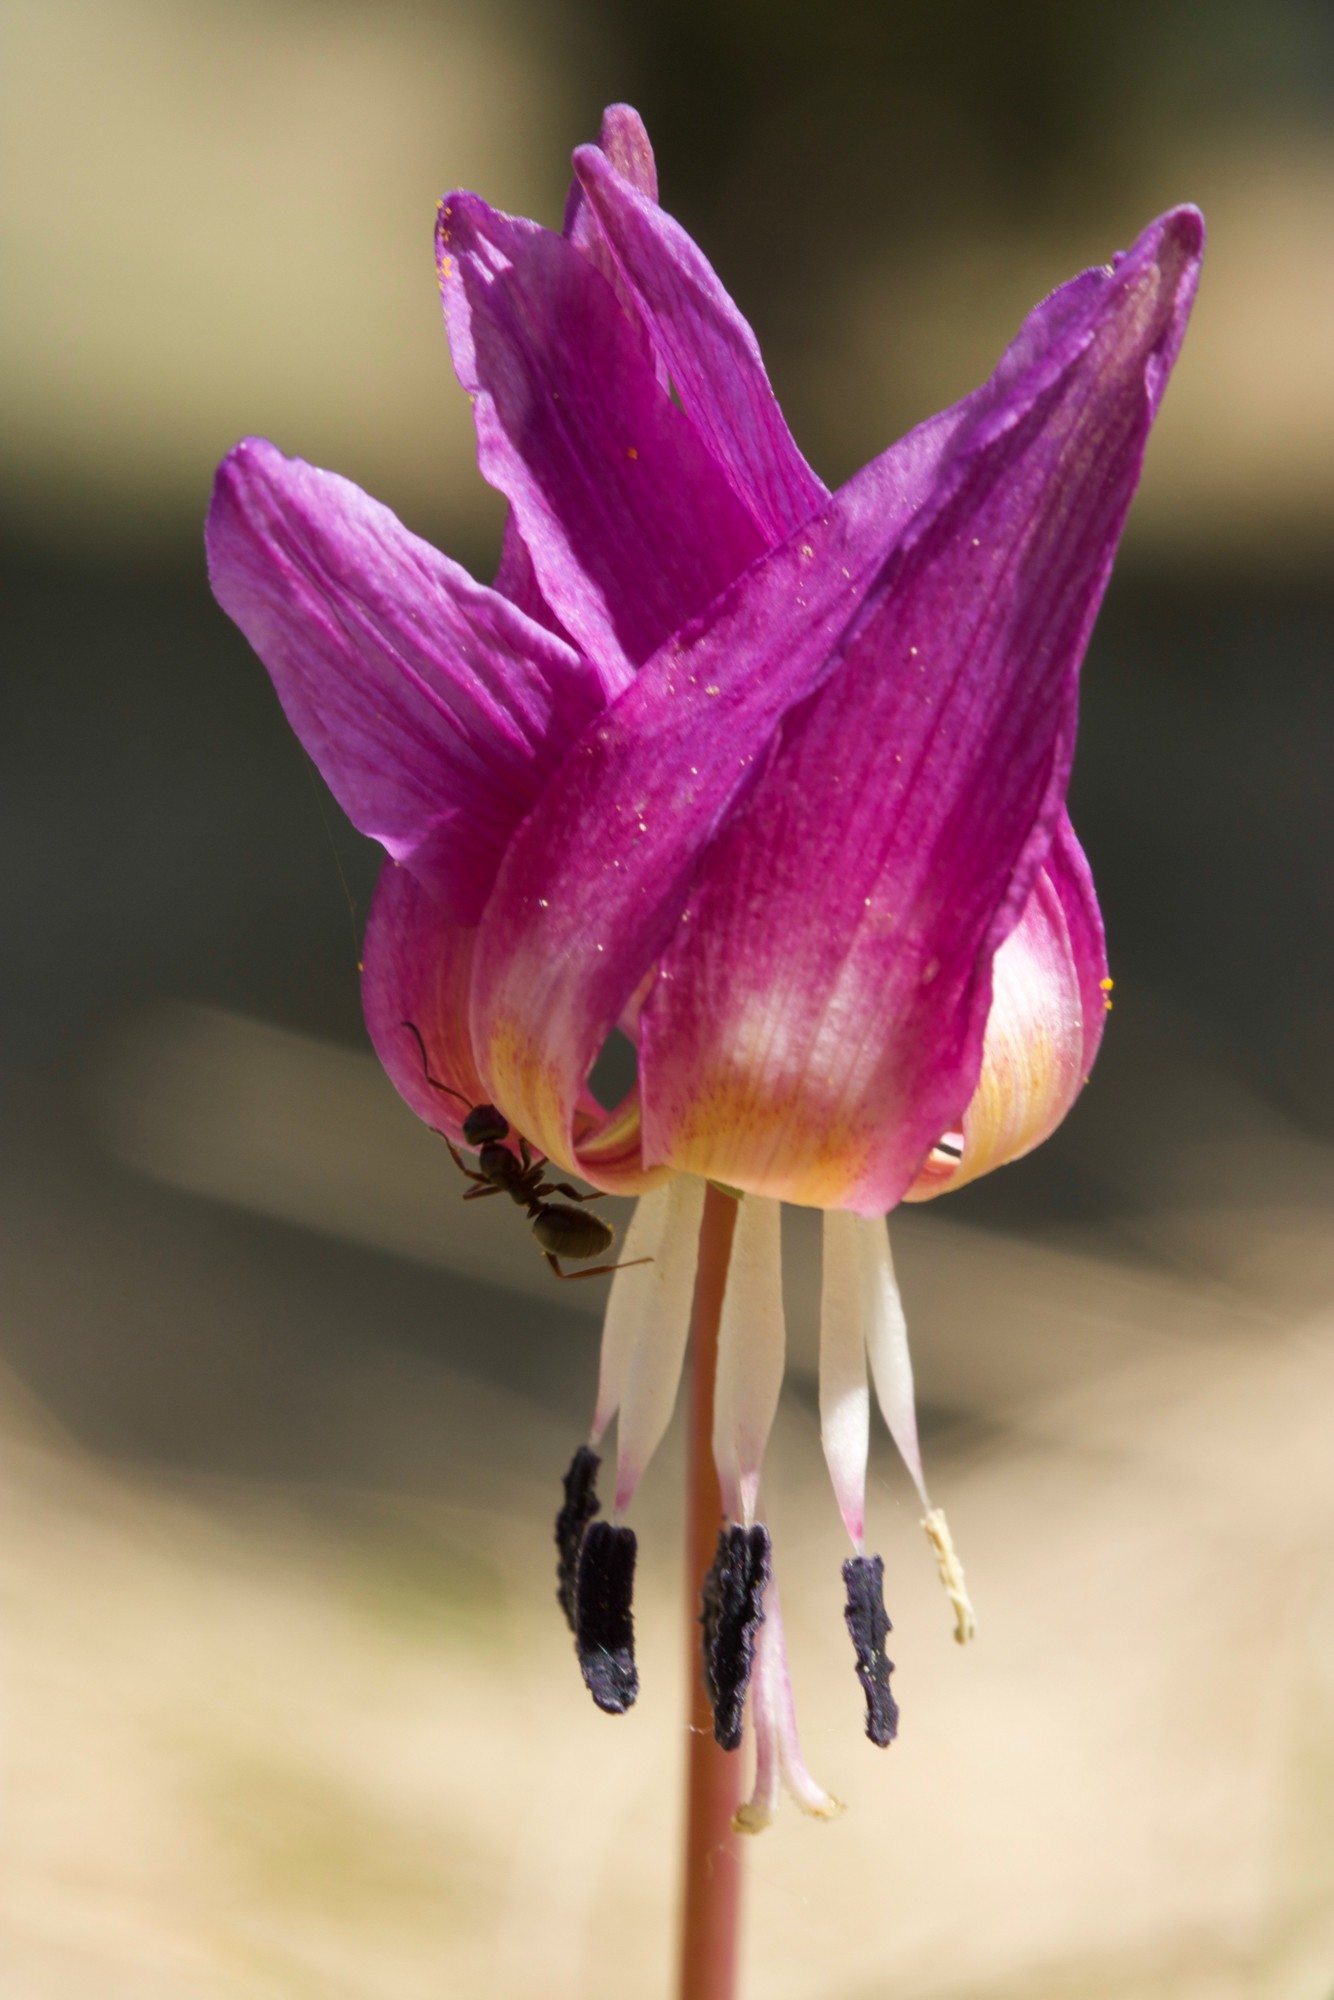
(288, 1709)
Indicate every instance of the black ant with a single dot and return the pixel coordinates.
(561, 1230)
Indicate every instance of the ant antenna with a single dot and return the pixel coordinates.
(434, 1082)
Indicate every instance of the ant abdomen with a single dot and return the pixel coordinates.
(571, 1232)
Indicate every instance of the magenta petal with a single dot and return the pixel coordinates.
(818, 1017)
(416, 968)
(596, 878)
(1044, 1024)
(434, 708)
(711, 354)
(1066, 868)
(623, 146)
(630, 527)
(626, 144)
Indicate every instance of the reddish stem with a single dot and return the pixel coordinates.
(711, 1898)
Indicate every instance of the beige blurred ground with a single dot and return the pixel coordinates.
(316, 1731)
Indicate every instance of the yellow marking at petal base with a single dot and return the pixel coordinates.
(788, 1144)
(951, 1574)
(527, 1087)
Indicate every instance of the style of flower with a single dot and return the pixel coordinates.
(771, 779)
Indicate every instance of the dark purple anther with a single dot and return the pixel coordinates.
(867, 1621)
(731, 1615)
(604, 1626)
(581, 1504)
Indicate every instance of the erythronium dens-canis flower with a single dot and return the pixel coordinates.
(770, 779)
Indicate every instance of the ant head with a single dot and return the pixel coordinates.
(484, 1126)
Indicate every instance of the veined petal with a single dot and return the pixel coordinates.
(416, 967)
(1043, 1028)
(623, 144)
(626, 145)
(435, 710)
(630, 526)
(751, 1344)
(711, 354)
(1066, 868)
(818, 1018)
(597, 877)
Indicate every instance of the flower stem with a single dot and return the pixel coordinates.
(711, 1889)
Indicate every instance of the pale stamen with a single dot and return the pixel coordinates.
(891, 1371)
(657, 1349)
(845, 1404)
(778, 1755)
(751, 1342)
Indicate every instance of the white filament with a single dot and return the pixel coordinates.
(887, 1345)
(845, 1404)
(751, 1341)
(658, 1344)
(630, 1289)
(778, 1755)
(891, 1369)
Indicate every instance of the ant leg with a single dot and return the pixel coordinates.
(481, 1193)
(434, 1082)
(598, 1270)
(462, 1164)
(573, 1194)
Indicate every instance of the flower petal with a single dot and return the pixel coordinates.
(1043, 1027)
(435, 710)
(626, 144)
(416, 969)
(710, 351)
(623, 146)
(818, 1018)
(630, 526)
(598, 875)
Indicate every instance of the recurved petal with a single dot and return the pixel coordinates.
(623, 146)
(626, 145)
(1048, 1005)
(630, 526)
(709, 350)
(416, 967)
(435, 710)
(818, 1018)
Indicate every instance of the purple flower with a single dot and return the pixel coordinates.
(771, 779)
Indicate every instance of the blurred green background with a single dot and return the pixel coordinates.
(289, 1709)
